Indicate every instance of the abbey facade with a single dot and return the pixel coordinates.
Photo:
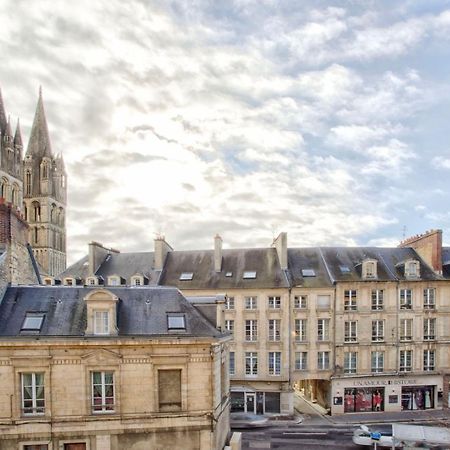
(36, 186)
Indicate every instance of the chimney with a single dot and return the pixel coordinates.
(429, 247)
(97, 254)
(217, 253)
(161, 250)
(280, 244)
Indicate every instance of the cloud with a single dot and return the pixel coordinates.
(440, 162)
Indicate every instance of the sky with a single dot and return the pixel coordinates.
(327, 120)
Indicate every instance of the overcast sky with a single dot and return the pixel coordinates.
(328, 120)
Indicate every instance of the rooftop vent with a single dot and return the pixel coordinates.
(308, 273)
(249, 275)
(344, 269)
(186, 276)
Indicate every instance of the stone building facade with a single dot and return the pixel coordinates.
(37, 186)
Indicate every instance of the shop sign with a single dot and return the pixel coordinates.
(388, 382)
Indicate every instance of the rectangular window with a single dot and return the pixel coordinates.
(300, 301)
(232, 364)
(176, 322)
(429, 329)
(250, 302)
(300, 330)
(323, 329)
(251, 363)
(274, 363)
(323, 360)
(169, 390)
(323, 301)
(101, 322)
(350, 331)
(350, 300)
(102, 392)
(405, 298)
(229, 303)
(33, 321)
(429, 298)
(406, 329)
(186, 276)
(35, 447)
(377, 362)
(33, 396)
(429, 357)
(350, 362)
(274, 330)
(248, 275)
(229, 326)
(377, 330)
(136, 282)
(301, 359)
(377, 299)
(251, 330)
(274, 302)
(405, 360)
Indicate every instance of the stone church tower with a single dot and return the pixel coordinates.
(37, 186)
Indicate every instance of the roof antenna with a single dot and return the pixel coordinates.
(404, 233)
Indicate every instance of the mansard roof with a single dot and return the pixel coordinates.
(140, 311)
(263, 261)
(39, 143)
(446, 262)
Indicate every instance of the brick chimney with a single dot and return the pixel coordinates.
(280, 244)
(97, 254)
(217, 253)
(161, 250)
(428, 246)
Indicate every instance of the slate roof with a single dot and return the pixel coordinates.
(446, 262)
(76, 270)
(264, 261)
(141, 311)
(390, 265)
(306, 259)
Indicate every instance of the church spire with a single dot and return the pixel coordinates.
(39, 143)
(18, 136)
(8, 131)
(3, 121)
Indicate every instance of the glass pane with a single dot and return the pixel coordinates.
(108, 378)
(26, 377)
(96, 377)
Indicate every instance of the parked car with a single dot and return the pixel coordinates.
(381, 434)
(247, 420)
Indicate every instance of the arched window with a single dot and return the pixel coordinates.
(36, 212)
(15, 195)
(28, 182)
(25, 211)
(61, 217)
(4, 188)
(36, 235)
(53, 213)
(44, 168)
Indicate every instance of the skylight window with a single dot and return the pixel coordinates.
(344, 269)
(186, 276)
(176, 322)
(229, 274)
(33, 322)
(308, 273)
(249, 274)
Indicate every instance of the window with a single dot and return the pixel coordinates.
(370, 269)
(350, 331)
(344, 269)
(176, 322)
(429, 357)
(323, 360)
(251, 330)
(377, 330)
(136, 281)
(229, 326)
(405, 298)
(33, 321)
(229, 303)
(350, 362)
(406, 329)
(229, 274)
(377, 299)
(300, 301)
(429, 329)
(301, 359)
(169, 390)
(377, 362)
(248, 275)
(274, 330)
(405, 360)
(250, 302)
(274, 363)
(300, 330)
(75, 446)
(429, 298)
(33, 398)
(350, 300)
(251, 363)
(308, 273)
(114, 281)
(274, 302)
(91, 281)
(412, 269)
(323, 329)
(323, 301)
(28, 182)
(186, 276)
(102, 392)
(232, 368)
(69, 282)
(101, 322)
(36, 447)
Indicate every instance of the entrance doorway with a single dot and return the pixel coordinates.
(250, 403)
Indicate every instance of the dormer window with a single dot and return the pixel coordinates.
(114, 280)
(101, 313)
(101, 322)
(92, 281)
(412, 269)
(137, 280)
(369, 269)
(69, 282)
(49, 281)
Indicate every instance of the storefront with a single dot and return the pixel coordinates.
(244, 400)
(373, 394)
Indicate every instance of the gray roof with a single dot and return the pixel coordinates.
(300, 259)
(263, 261)
(141, 311)
(390, 265)
(446, 262)
(76, 270)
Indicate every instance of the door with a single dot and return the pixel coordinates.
(250, 404)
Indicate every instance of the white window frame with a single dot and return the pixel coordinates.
(350, 300)
(251, 302)
(323, 329)
(104, 406)
(429, 329)
(232, 366)
(377, 299)
(377, 362)
(300, 326)
(406, 358)
(251, 330)
(429, 298)
(323, 360)
(274, 326)
(92, 281)
(350, 331)
(251, 363)
(229, 325)
(274, 302)
(412, 269)
(350, 362)
(35, 409)
(101, 322)
(406, 298)
(300, 301)
(429, 360)
(377, 330)
(301, 360)
(229, 303)
(274, 363)
(406, 330)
